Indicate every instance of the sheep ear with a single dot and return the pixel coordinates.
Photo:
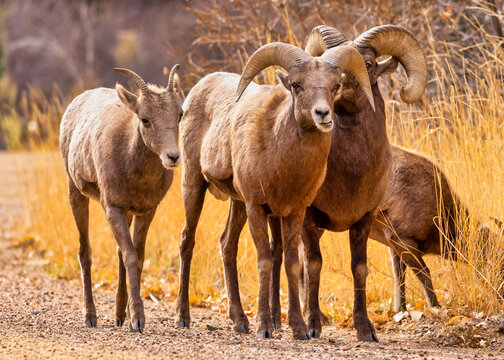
(283, 78)
(129, 99)
(385, 67)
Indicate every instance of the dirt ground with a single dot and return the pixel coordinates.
(41, 317)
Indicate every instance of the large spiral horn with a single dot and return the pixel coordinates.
(139, 81)
(348, 58)
(276, 53)
(396, 41)
(171, 78)
(323, 38)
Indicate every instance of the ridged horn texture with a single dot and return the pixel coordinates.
(348, 58)
(171, 78)
(139, 81)
(396, 41)
(323, 38)
(276, 53)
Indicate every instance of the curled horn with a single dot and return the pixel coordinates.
(399, 43)
(171, 78)
(276, 53)
(323, 38)
(348, 58)
(139, 81)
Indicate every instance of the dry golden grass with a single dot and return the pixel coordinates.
(461, 129)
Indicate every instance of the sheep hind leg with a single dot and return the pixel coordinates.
(122, 291)
(359, 233)
(275, 225)
(229, 249)
(399, 268)
(80, 210)
(412, 257)
(193, 193)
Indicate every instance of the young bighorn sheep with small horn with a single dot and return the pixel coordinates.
(419, 216)
(120, 149)
(358, 166)
(268, 153)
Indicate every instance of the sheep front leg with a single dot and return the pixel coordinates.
(236, 220)
(118, 222)
(122, 291)
(259, 230)
(291, 228)
(275, 225)
(359, 233)
(310, 235)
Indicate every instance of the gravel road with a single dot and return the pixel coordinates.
(41, 317)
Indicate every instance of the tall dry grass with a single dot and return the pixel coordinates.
(459, 125)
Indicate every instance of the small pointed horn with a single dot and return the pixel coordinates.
(349, 58)
(171, 78)
(323, 38)
(276, 53)
(396, 41)
(498, 222)
(139, 81)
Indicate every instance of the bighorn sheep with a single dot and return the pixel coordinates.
(418, 190)
(418, 207)
(119, 148)
(358, 166)
(268, 152)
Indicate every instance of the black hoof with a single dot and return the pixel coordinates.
(314, 334)
(369, 338)
(303, 337)
(119, 323)
(277, 326)
(182, 324)
(91, 323)
(266, 334)
(137, 326)
(243, 329)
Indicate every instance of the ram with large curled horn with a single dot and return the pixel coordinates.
(416, 183)
(264, 147)
(358, 167)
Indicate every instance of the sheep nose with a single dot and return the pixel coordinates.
(173, 157)
(322, 113)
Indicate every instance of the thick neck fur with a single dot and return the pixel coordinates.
(296, 157)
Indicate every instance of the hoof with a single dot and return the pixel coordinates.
(119, 323)
(266, 334)
(137, 326)
(369, 338)
(302, 337)
(314, 334)
(243, 329)
(91, 323)
(182, 324)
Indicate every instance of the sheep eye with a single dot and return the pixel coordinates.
(337, 87)
(295, 86)
(368, 65)
(146, 123)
